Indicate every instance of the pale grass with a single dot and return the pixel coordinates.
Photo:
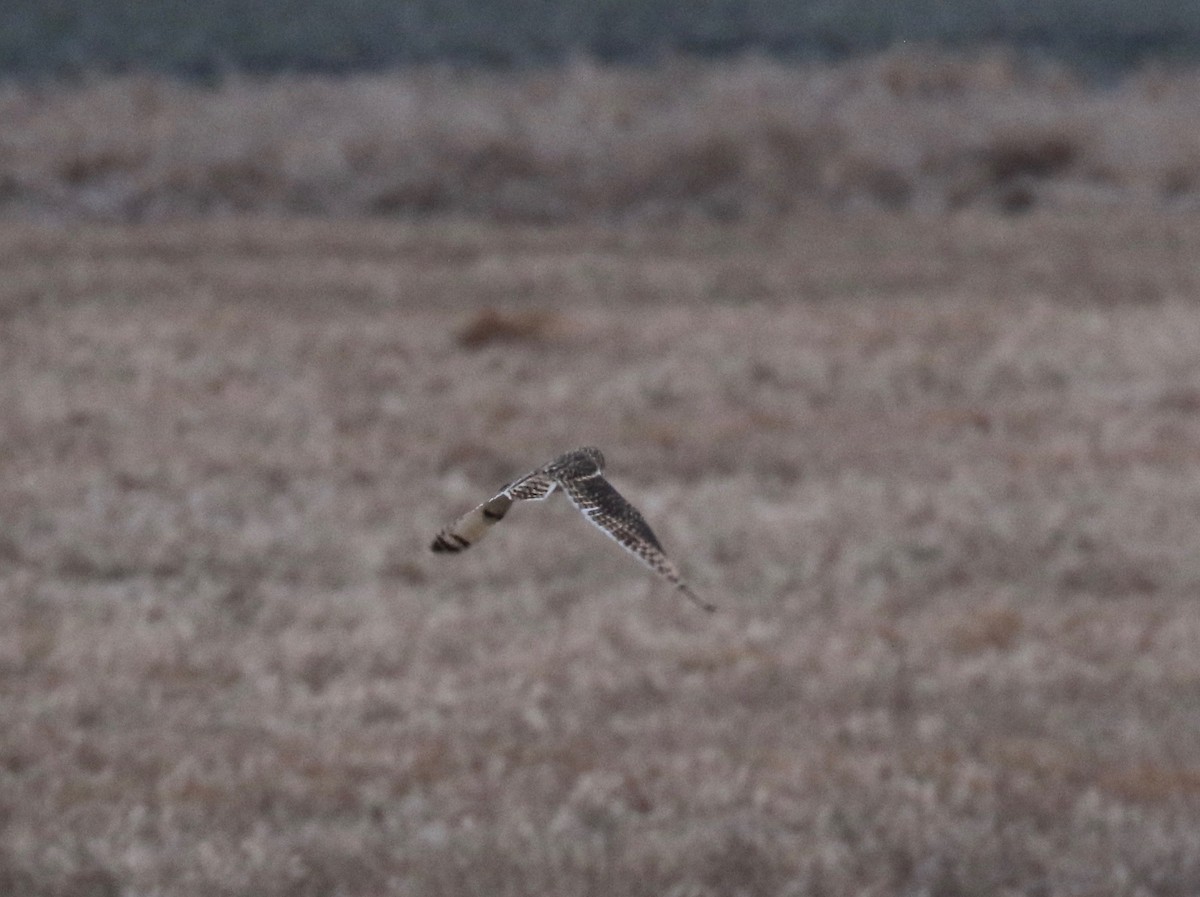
(939, 475)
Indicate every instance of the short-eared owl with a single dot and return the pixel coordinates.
(580, 475)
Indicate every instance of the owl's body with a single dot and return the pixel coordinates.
(580, 474)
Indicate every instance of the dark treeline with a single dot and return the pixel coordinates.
(202, 40)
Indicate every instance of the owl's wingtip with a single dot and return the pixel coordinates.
(442, 544)
(697, 600)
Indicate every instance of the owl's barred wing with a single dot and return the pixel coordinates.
(534, 486)
(473, 525)
(617, 518)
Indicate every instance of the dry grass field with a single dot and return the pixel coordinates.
(941, 474)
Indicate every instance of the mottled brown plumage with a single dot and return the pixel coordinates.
(580, 475)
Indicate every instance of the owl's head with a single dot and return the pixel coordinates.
(593, 454)
(583, 462)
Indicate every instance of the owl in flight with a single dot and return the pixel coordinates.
(580, 475)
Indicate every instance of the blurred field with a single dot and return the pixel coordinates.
(735, 141)
(940, 473)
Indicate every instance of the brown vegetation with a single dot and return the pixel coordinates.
(939, 474)
(750, 139)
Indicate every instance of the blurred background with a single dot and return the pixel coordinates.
(542, 112)
(272, 36)
(884, 314)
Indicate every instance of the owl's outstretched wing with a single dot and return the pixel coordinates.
(579, 474)
(619, 520)
(473, 525)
